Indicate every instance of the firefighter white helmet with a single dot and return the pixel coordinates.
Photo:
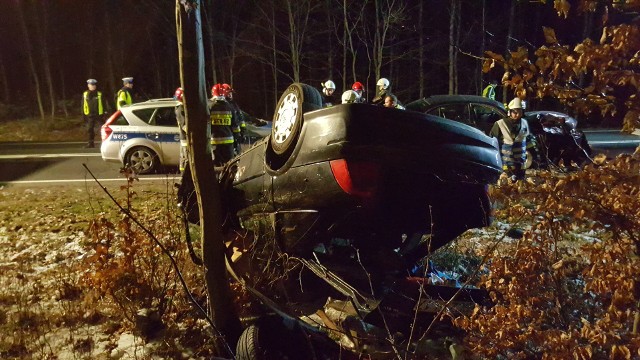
(329, 85)
(516, 103)
(349, 97)
(383, 83)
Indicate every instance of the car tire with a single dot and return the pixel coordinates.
(142, 160)
(288, 117)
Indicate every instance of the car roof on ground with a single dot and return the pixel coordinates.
(434, 100)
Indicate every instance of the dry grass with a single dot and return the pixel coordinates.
(37, 130)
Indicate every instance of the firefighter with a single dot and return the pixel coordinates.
(182, 128)
(124, 94)
(223, 126)
(359, 90)
(238, 133)
(92, 109)
(383, 89)
(349, 97)
(512, 133)
(328, 89)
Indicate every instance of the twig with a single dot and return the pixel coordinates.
(165, 251)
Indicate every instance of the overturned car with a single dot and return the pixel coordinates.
(338, 203)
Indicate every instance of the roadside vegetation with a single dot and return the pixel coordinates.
(35, 130)
(80, 280)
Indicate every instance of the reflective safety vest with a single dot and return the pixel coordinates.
(222, 123)
(489, 92)
(85, 103)
(123, 98)
(513, 149)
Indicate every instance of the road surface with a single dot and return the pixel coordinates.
(49, 163)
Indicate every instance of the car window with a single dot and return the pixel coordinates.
(485, 116)
(164, 116)
(144, 114)
(121, 120)
(456, 112)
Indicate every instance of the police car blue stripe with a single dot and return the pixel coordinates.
(162, 137)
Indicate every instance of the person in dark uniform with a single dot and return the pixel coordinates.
(223, 126)
(239, 117)
(93, 110)
(124, 94)
(328, 90)
(383, 90)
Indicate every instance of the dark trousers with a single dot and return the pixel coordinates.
(222, 154)
(91, 122)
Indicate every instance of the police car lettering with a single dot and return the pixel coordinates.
(119, 136)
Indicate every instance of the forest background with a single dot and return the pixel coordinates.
(49, 48)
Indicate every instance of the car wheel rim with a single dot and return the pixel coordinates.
(286, 119)
(529, 161)
(141, 161)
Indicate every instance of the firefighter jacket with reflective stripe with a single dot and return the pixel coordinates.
(512, 137)
(123, 98)
(92, 103)
(223, 123)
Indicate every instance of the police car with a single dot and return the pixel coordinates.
(143, 136)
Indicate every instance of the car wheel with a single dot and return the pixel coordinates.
(142, 160)
(529, 161)
(287, 120)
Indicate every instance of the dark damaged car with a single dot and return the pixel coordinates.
(338, 203)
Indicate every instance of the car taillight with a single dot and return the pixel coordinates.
(356, 178)
(105, 130)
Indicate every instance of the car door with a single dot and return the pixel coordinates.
(164, 131)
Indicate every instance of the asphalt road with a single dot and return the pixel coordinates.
(50, 163)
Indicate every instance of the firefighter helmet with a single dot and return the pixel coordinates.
(178, 94)
(227, 89)
(349, 97)
(516, 103)
(383, 83)
(217, 91)
(357, 86)
(329, 85)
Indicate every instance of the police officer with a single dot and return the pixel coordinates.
(223, 126)
(92, 110)
(124, 94)
(512, 133)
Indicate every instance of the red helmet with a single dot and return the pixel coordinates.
(178, 94)
(357, 86)
(227, 89)
(217, 90)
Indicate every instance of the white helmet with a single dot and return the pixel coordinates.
(384, 83)
(516, 103)
(349, 97)
(329, 85)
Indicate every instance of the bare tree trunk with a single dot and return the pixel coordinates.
(191, 55)
(274, 54)
(421, 48)
(512, 16)
(453, 48)
(212, 51)
(4, 81)
(42, 29)
(479, 84)
(345, 29)
(111, 69)
(31, 60)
